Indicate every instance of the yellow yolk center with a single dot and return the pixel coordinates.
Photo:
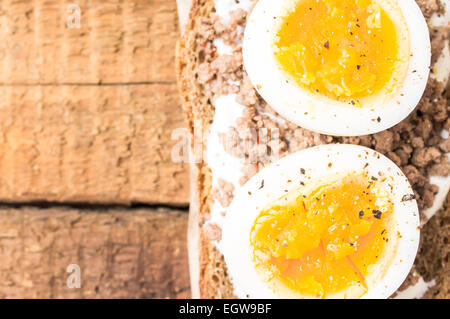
(325, 241)
(342, 49)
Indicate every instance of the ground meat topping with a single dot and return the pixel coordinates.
(212, 231)
(223, 193)
(429, 7)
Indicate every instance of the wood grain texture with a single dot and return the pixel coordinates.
(86, 113)
(118, 41)
(121, 253)
(98, 144)
(86, 116)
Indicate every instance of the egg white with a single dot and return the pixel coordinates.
(285, 175)
(321, 114)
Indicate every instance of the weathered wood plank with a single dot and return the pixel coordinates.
(121, 253)
(97, 144)
(117, 41)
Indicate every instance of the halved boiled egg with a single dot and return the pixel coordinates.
(339, 67)
(333, 221)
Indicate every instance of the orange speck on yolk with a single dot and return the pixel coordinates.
(342, 49)
(325, 241)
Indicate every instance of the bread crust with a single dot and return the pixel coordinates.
(207, 267)
(208, 272)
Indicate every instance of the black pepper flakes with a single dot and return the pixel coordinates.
(377, 214)
(327, 45)
(408, 197)
(262, 184)
(361, 214)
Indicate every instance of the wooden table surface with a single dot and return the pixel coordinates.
(86, 117)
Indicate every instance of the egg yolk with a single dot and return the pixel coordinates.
(342, 49)
(325, 241)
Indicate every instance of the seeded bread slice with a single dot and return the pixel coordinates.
(208, 272)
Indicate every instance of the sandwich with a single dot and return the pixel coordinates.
(252, 102)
